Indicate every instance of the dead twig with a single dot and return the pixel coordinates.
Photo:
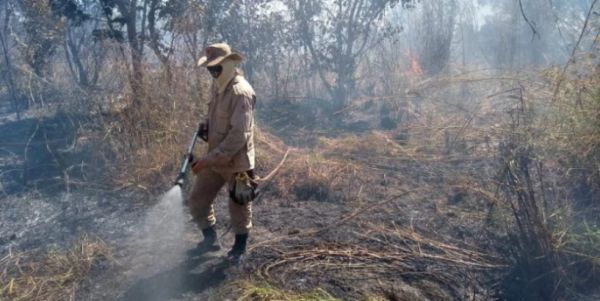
(274, 170)
(37, 126)
(561, 78)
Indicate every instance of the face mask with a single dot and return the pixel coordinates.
(215, 71)
(227, 74)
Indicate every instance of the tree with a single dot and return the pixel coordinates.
(337, 34)
(81, 54)
(43, 34)
(125, 13)
(437, 22)
(255, 28)
(146, 23)
(8, 76)
(250, 27)
(172, 14)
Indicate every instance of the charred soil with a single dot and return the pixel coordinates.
(360, 210)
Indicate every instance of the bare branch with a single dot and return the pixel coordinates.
(531, 25)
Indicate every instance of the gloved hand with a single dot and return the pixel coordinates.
(203, 131)
(198, 165)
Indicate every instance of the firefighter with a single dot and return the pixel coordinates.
(229, 131)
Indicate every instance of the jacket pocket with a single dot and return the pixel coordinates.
(221, 122)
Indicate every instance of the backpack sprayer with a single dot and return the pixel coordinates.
(201, 132)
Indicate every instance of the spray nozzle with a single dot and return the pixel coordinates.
(179, 181)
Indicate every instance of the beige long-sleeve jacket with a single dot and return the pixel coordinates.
(231, 127)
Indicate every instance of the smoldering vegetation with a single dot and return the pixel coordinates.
(434, 150)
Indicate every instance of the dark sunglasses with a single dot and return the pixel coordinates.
(215, 69)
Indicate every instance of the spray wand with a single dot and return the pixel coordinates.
(189, 155)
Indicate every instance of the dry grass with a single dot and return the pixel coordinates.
(442, 144)
(263, 291)
(148, 139)
(378, 177)
(54, 276)
(547, 178)
(370, 250)
(458, 145)
(311, 176)
(382, 250)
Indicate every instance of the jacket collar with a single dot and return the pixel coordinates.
(230, 84)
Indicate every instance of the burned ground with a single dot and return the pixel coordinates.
(353, 213)
(379, 212)
(423, 150)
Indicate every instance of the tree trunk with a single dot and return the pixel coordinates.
(154, 42)
(137, 75)
(9, 78)
(73, 56)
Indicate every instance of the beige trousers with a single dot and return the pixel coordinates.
(205, 190)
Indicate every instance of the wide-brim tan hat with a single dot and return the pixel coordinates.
(216, 53)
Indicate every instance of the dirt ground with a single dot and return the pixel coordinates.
(361, 226)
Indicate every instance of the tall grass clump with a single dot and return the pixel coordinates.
(148, 136)
(549, 175)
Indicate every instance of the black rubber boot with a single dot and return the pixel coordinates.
(239, 248)
(210, 243)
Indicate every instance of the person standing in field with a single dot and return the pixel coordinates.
(229, 131)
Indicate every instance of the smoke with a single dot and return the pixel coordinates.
(159, 238)
(158, 264)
